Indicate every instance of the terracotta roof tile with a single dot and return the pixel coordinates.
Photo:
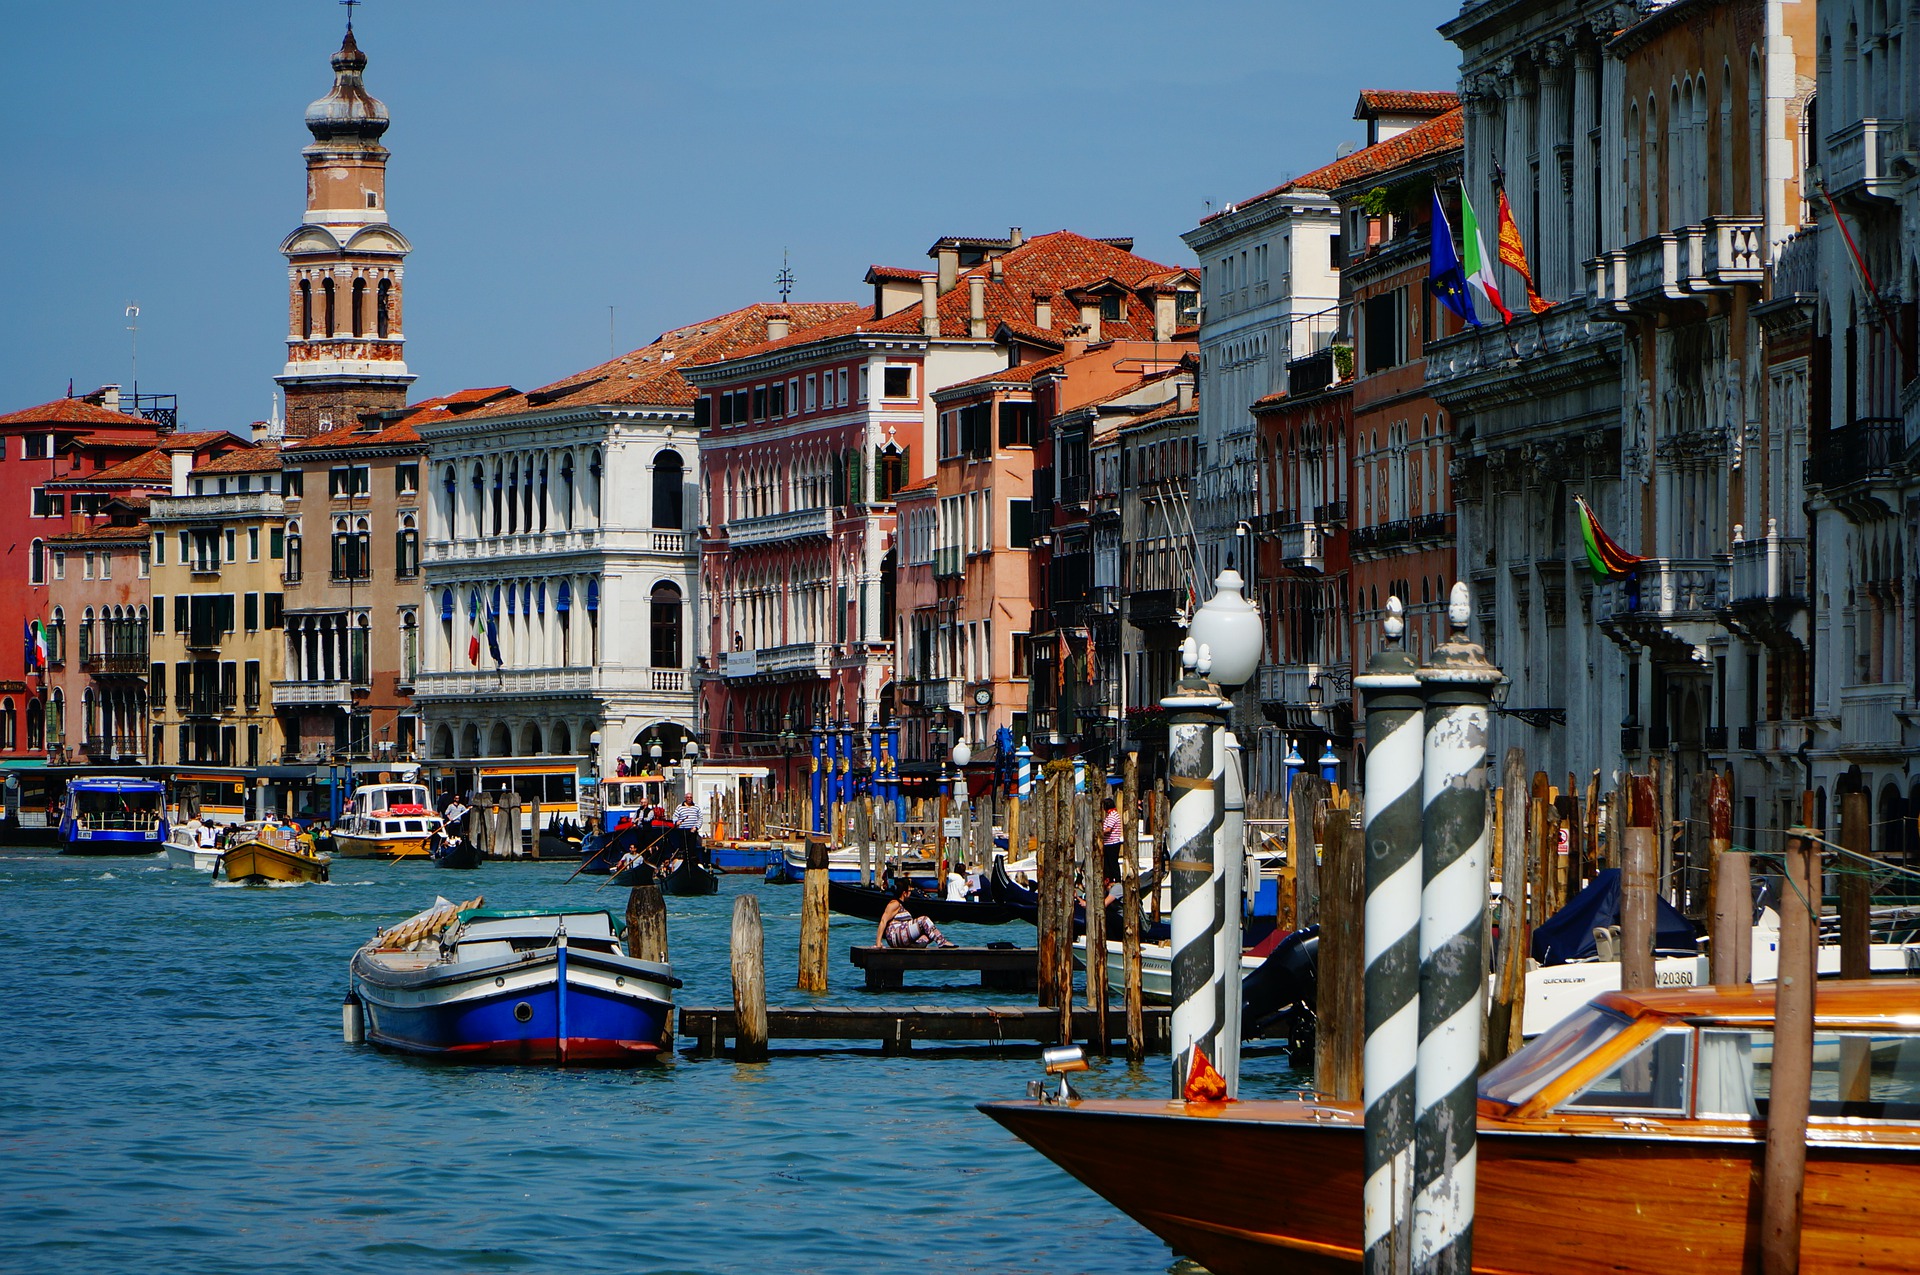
(1440, 133)
(898, 273)
(261, 459)
(1020, 374)
(1046, 265)
(1167, 409)
(650, 375)
(73, 411)
(1404, 102)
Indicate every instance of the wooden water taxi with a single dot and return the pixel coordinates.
(387, 821)
(1629, 1137)
(265, 853)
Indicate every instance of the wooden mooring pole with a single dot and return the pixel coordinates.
(749, 981)
(1639, 872)
(1342, 962)
(1503, 1019)
(646, 924)
(1790, 1089)
(1730, 951)
(813, 920)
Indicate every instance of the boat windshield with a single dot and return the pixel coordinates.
(123, 811)
(1551, 1053)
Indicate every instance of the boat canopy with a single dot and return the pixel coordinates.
(112, 785)
(1567, 935)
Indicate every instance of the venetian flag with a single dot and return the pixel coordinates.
(1513, 255)
(1608, 560)
(1479, 269)
(473, 627)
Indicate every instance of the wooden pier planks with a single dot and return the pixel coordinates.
(896, 1028)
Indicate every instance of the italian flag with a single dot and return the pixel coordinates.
(1608, 560)
(1479, 269)
(39, 645)
(473, 627)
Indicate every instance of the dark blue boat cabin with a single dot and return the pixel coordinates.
(114, 816)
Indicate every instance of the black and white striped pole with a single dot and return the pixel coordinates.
(1395, 744)
(1458, 682)
(1196, 716)
(1226, 638)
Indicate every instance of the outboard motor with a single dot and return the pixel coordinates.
(1283, 991)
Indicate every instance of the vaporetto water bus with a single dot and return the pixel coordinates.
(113, 816)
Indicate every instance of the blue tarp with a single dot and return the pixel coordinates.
(1567, 935)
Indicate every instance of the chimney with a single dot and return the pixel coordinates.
(182, 465)
(949, 258)
(109, 396)
(1163, 316)
(1090, 320)
(259, 429)
(1016, 236)
(998, 272)
(778, 326)
(1183, 394)
(1076, 345)
(929, 305)
(1043, 310)
(976, 305)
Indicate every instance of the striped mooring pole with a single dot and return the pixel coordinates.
(1458, 682)
(1196, 718)
(1230, 869)
(1395, 739)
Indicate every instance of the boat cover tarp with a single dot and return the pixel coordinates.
(1567, 935)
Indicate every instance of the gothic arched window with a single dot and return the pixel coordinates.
(382, 316)
(306, 309)
(669, 473)
(359, 315)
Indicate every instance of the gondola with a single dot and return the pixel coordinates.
(868, 901)
(691, 876)
(1026, 904)
(453, 852)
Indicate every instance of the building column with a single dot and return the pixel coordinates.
(1586, 163)
(1522, 141)
(1552, 238)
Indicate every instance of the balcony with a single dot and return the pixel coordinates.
(797, 524)
(203, 639)
(807, 659)
(1285, 694)
(1716, 739)
(670, 542)
(1861, 158)
(506, 683)
(118, 664)
(1432, 527)
(1670, 604)
(173, 509)
(668, 679)
(1768, 569)
(1872, 725)
(947, 561)
(519, 545)
(1564, 335)
(1747, 738)
(201, 704)
(1303, 545)
(313, 694)
(942, 693)
(104, 747)
(1331, 514)
(1156, 608)
(1710, 256)
(1857, 453)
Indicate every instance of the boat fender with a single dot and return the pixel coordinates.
(353, 1025)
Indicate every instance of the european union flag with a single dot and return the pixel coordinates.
(1448, 280)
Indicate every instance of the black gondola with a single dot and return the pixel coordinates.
(453, 852)
(868, 902)
(691, 876)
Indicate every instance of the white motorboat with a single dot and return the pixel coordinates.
(185, 851)
(1156, 968)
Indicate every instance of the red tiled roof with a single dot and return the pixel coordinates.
(1019, 374)
(1440, 133)
(401, 432)
(73, 411)
(1404, 102)
(900, 273)
(651, 376)
(104, 533)
(925, 484)
(1169, 408)
(1046, 265)
(152, 467)
(261, 459)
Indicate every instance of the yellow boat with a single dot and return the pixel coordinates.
(386, 821)
(267, 854)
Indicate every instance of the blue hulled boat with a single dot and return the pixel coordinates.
(488, 985)
(114, 816)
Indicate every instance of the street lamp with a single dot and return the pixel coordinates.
(1229, 627)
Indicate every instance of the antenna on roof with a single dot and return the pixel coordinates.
(133, 314)
(784, 278)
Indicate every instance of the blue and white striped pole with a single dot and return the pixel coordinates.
(1395, 741)
(1196, 718)
(1453, 970)
(1024, 761)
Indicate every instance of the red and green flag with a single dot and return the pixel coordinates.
(1608, 560)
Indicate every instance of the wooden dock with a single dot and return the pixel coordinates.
(897, 1027)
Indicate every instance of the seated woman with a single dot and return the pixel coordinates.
(901, 928)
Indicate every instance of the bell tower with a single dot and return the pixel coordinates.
(345, 343)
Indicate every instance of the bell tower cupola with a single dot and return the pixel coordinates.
(345, 343)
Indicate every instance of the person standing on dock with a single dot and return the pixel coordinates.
(1111, 838)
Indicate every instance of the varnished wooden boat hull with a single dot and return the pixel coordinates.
(256, 862)
(1243, 1193)
(348, 845)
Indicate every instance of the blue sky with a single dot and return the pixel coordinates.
(552, 158)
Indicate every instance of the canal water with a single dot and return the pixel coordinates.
(175, 1096)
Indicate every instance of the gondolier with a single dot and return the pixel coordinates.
(686, 815)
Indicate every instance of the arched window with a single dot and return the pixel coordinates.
(443, 742)
(57, 638)
(479, 501)
(566, 490)
(56, 717)
(542, 504)
(526, 499)
(86, 635)
(513, 496)
(530, 741)
(36, 726)
(326, 295)
(9, 724)
(593, 485)
(306, 309)
(359, 307)
(37, 563)
(502, 741)
(293, 551)
(499, 477)
(471, 745)
(139, 633)
(665, 625)
(409, 648)
(358, 641)
(406, 548)
(89, 723)
(563, 613)
(382, 317)
(560, 740)
(669, 472)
